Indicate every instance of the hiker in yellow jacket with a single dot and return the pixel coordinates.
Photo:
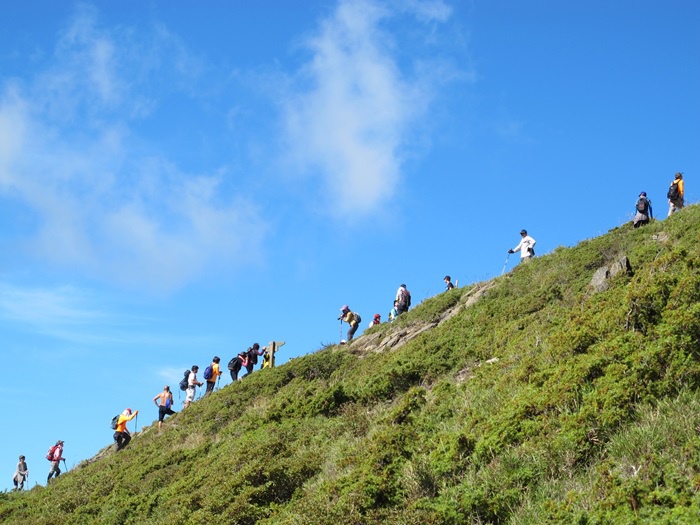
(121, 433)
(676, 194)
(350, 318)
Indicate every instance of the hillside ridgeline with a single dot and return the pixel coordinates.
(541, 396)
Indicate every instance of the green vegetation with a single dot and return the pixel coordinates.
(541, 402)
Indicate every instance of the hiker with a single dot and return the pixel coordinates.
(21, 474)
(269, 352)
(643, 209)
(448, 283)
(235, 364)
(394, 312)
(403, 298)
(122, 436)
(164, 402)
(55, 456)
(526, 247)
(377, 320)
(351, 318)
(211, 374)
(676, 193)
(253, 353)
(192, 385)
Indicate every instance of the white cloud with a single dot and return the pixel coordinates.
(104, 200)
(350, 119)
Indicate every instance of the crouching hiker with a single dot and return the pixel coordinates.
(55, 456)
(352, 318)
(164, 402)
(21, 474)
(122, 436)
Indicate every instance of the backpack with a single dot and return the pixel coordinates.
(673, 193)
(252, 356)
(50, 453)
(185, 380)
(405, 299)
(115, 421)
(357, 317)
(232, 363)
(208, 373)
(642, 205)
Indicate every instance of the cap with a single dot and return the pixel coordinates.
(377, 316)
(59, 442)
(128, 410)
(523, 232)
(447, 278)
(345, 308)
(643, 194)
(402, 286)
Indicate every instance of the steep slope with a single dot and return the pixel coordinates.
(529, 399)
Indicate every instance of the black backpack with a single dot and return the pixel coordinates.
(252, 356)
(232, 363)
(185, 380)
(405, 299)
(642, 205)
(673, 193)
(115, 422)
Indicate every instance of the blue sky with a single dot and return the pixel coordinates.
(179, 180)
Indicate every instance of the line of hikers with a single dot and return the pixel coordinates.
(249, 358)
(526, 247)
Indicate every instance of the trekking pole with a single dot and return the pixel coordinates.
(505, 264)
(64, 464)
(137, 422)
(218, 381)
(341, 331)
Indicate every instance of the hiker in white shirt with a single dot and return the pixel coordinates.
(526, 247)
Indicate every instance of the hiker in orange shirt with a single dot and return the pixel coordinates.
(121, 434)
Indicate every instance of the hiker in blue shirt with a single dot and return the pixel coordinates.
(643, 209)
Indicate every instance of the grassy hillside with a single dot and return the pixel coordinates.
(530, 399)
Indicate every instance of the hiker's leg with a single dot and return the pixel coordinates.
(126, 438)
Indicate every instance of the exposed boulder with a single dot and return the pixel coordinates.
(602, 276)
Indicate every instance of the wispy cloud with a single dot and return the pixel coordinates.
(104, 200)
(349, 119)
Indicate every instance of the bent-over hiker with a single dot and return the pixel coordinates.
(211, 374)
(526, 247)
(192, 385)
(643, 211)
(122, 436)
(164, 402)
(394, 312)
(235, 365)
(352, 319)
(21, 474)
(676, 194)
(55, 456)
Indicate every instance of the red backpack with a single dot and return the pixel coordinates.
(50, 453)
